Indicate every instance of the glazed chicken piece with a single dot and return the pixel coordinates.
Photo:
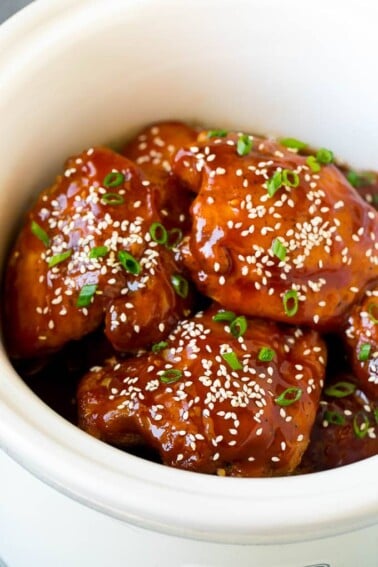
(93, 248)
(345, 430)
(361, 338)
(222, 394)
(276, 234)
(153, 151)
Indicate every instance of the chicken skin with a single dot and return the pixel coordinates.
(93, 248)
(153, 151)
(221, 394)
(345, 429)
(276, 234)
(361, 338)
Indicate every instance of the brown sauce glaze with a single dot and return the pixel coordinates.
(269, 231)
(209, 400)
(91, 250)
(283, 238)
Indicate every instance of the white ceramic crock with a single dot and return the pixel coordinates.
(74, 73)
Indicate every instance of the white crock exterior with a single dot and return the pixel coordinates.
(80, 72)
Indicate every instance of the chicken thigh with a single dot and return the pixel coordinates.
(221, 394)
(276, 234)
(361, 338)
(153, 150)
(93, 248)
(345, 429)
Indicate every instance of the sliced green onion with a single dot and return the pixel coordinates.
(340, 389)
(364, 352)
(58, 258)
(244, 145)
(266, 354)
(113, 179)
(313, 164)
(324, 156)
(289, 396)
(170, 376)
(376, 415)
(371, 308)
(157, 347)
(98, 251)
(290, 302)
(274, 183)
(129, 263)
(173, 240)
(85, 295)
(238, 326)
(180, 285)
(293, 143)
(217, 133)
(361, 424)
(290, 178)
(360, 179)
(279, 249)
(232, 360)
(41, 234)
(112, 199)
(353, 178)
(158, 233)
(227, 316)
(334, 417)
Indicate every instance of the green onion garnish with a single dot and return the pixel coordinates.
(238, 326)
(289, 396)
(290, 178)
(360, 179)
(113, 179)
(170, 376)
(324, 156)
(376, 415)
(58, 258)
(129, 263)
(334, 417)
(158, 233)
(217, 133)
(112, 199)
(290, 302)
(85, 295)
(174, 238)
(227, 316)
(353, 178)
(340, 389)
(266, 354)
(274, 183)
(364, 352)
(279, 249)
(157, 347)
(38, 231)
(361, 424)
(232, 360)
(313, 164)
(180, 285)
(371, 308)
(244, 145)
(293, 143)
(98, 251)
